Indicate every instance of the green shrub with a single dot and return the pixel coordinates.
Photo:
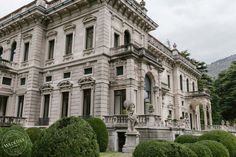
(34, 134)
(199, 149)
(217, 149)
(68, 137)
(28, 148)
(101, 131)
(186, 139)
(162, 149)
(225, 138)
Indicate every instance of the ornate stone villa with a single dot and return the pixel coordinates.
(85, 58)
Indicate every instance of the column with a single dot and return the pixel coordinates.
(205, 116)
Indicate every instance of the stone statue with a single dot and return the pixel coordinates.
(222, 122)
(132, 118)
(41, 2)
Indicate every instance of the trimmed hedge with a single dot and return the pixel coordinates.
(225, 138)
(34, 134)
(217, 149)
(28, 149)
(199, 149)
(68, 137)
(186, 139)
(162, 149)
(101, 131)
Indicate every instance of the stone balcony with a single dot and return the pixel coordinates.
(6, 64)
(7, 121)
(227, 128)
(197, 94)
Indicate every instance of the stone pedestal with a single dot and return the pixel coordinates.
(132, 140)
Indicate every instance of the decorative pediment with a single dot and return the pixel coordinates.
(69, 27)
(46, 88)
(65, 84)
(51, 33)
(86, 80)
(89, 19)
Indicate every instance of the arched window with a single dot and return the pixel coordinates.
(147, 93)
(13, 49)
(193, 84)
(127, 38)
(187, 83)
(1, 51)
(181, 82)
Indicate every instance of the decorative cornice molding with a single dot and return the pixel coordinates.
(65, 84)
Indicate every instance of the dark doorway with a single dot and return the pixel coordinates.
(87, 102)
(191, 120)
(121, 141)
(3, 105)
(127, 38)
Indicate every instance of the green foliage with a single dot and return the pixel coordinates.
(68, 137)
(28, 149)
(101, 131)
(162, 149)
(199, 149)
(34, 134)
(225, 138)
(217, 149)
(186, 139)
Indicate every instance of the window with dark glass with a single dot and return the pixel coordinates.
(6, 81)
(65, 104)
(87, 102)
(48, 78)
(69, 42)
(168, 79)
(1, 52)
(20, 106)
(181, 82)
(170, 113)
(187, 84)
(88, 71)
(13, 49)
(3, 105)
(26, 52)
(89, 37)
(116, 40)
(193, 87)
(67, 75)
(51, 49)
(46, 106)
(120, 97)
(182, 103)
(147, 94)
(127, 38)
(119, 70)
(183, 114)
(22, 81)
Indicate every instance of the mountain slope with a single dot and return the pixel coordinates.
(218, 66)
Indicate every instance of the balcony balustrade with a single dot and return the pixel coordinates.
(7, 121)
(6, 64)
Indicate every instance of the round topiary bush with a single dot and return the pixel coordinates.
(68, 137)
(199, 149)
(217, 149)
(151, 149)
(162, 149)
(34, 134)
(101, 131)
(14, 136)
(225, 138)
(186, 139)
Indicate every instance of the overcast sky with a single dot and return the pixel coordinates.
(207, 28)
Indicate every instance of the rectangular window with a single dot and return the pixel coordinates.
(69, 42)
(6, 81)
(119, 70)
(170, 113)
(168, 79)
(88, 71)
(116, 40)
(120, 97)
(67, 75)
(89, 37)
(87, 102)
(46, 106)
(51, 49)
(65, 104)
(183, 114)
(22, 81)
(48, 78)
(26, 52)
(20, 106)
(182, 103)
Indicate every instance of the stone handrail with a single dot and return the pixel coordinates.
(7, 121)
(220, 127)
(7, 64)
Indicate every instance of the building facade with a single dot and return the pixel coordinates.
(85, 58)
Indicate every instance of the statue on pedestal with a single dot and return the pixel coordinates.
(132, 118)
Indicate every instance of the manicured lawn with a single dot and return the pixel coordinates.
(115, 154)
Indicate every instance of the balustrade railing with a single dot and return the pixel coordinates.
(220, 127)
(7, 121)
(7, 64)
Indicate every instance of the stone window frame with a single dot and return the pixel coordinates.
(67, 71)
(17, 104)
(69, 29)
(113, 38)
(20, 83)
(27, 38)
(49, 92)
(52, 35)
(90, 67)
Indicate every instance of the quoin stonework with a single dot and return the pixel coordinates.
(85, 58)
